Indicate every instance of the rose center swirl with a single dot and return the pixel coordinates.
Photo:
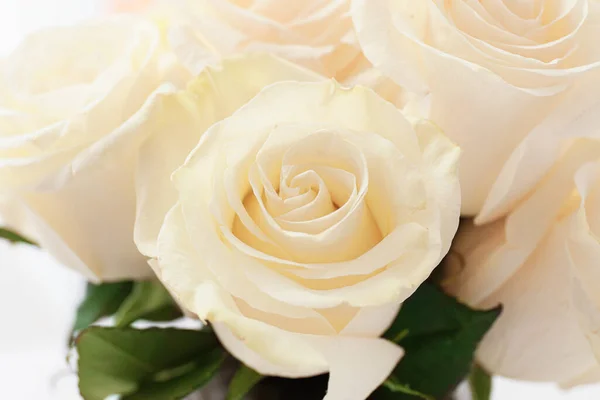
(307, 199)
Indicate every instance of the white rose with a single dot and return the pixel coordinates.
(301, 221)
(315, 33)
(541, 264)
(494, 70)
(73, 102)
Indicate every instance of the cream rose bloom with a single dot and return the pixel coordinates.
(541, 263)
(315, 33)
(495, 71)
(72, 107)
(301, 221)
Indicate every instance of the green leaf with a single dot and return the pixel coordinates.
(145, 364)
(100, 301)
(439, 336)
(14, 237)
(199, 374)
(480, 383)
(243, 381)
(148, 300)
(394, 386)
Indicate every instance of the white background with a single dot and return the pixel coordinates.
(38, 297)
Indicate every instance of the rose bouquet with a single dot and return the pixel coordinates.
(266, 195)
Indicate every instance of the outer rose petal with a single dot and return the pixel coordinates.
(538, 337)
(527, 225)
(589, 377)
(535, 155)
(541, 264)
(87, 221)
(370, 322)
(14, 217)
(351, 377)
(584, 250)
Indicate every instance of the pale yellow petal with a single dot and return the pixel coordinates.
(538, 336)
(294, 355)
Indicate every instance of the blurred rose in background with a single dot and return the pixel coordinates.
(127, 5)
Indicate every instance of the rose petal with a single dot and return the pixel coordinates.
(518, 345)
(311, 355)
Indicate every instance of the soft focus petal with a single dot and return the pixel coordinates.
(315, 34)
(72, 125)
(344, 357)
(538, 336)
